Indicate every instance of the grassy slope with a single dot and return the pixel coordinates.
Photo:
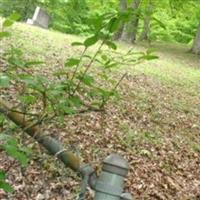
(155, 126)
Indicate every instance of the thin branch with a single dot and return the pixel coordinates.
(113, 90)
(52, 145)
(25, 113)
(88, 66)
(78, 65)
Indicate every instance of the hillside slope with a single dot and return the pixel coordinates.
(155, 125)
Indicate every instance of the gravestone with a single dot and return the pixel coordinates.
(40, 18)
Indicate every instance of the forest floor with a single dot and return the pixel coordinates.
(155, 126)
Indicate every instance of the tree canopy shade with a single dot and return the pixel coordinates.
(170, 20)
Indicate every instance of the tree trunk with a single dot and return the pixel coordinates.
(146, 29)
(130, 30)
(122, 7)
(196, 44)
(147, 22)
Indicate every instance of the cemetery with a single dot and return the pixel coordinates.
(99, 100)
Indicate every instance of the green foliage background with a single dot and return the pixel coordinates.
(181, 21)
(180, 18)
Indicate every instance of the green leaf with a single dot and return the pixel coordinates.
(15, 16)
(16, 52)
(76, 101)
(11, 20)
(4, 34)
(93, 92)
(111, 65)
(104, 57)
(31, 63)
(4, 81)
(91, 41)
(77, 44)
(111, 44)
(22, 158)
(72, 62)
(8, 23)
(27, 99)
(36, 83)
(151, 50)
(87, 79)
(97, 22)
(125, 16)
(196, 147)
(60, 72)
(6, 187)
(26, 78)
(105, 93)
(14, 152)
(129, 2)
(17, 62)
(2, 175)
(149, 57)
(2, 119)
(68, 110)
(113, 24)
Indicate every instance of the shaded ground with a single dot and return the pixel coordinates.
(155, 126)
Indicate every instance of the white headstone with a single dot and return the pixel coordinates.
(40, 18)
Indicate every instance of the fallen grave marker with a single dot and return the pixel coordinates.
(40, 18)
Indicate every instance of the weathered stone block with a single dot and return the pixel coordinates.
(40, 18)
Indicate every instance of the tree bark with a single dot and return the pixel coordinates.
(196, 44)
(147, 21)
(122, 7)
(146, 29)
(130, 30)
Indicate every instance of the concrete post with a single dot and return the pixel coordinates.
(110, 184)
